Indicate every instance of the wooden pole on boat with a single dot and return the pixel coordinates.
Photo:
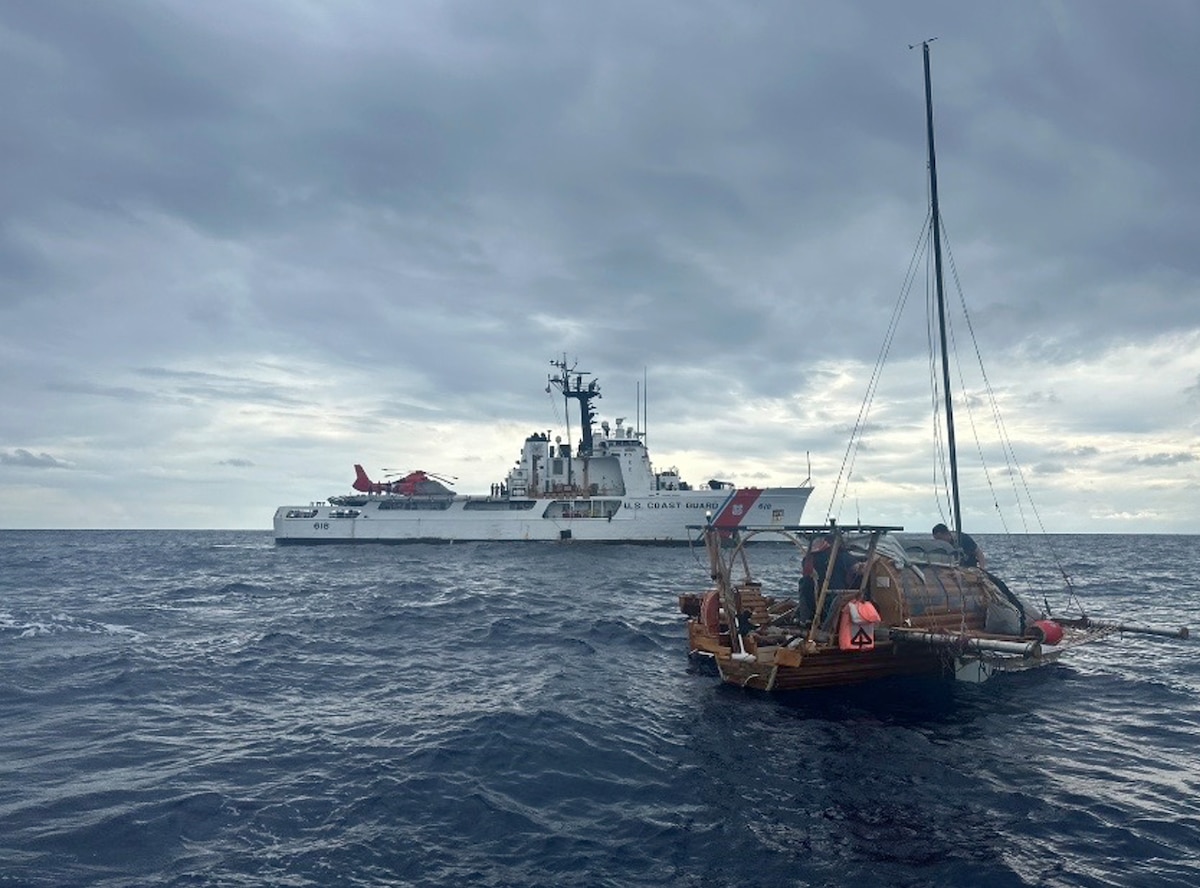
(941, 299)
(1181, 633)
(720, 575)
(824, 590)
(866, 565)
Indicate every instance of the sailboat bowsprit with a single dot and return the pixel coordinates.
(869, 604)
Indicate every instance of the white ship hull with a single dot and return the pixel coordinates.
(659, 517)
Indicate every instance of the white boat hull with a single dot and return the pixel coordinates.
(660, 517)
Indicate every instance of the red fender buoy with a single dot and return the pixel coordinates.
(1049, 631)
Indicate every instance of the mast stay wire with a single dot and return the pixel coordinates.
(864, 409)
(842, 485)
(1015, 470)
(1017, 474)
(558, 420)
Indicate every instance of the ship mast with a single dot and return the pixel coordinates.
(941, 299)
(574, 389)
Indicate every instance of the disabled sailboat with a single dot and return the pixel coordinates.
(870, 603)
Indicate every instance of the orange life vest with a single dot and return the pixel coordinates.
(856, 626)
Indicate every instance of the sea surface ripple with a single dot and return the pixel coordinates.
(203, 708)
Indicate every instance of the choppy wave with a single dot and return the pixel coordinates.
(206, 709)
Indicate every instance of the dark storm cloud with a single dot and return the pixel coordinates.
(123, 104)
(613, 147)
(629, 145)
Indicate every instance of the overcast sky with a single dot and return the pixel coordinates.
(248, 244)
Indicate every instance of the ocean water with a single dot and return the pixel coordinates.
(203, 708)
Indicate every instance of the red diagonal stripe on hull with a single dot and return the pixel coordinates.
(737, 508)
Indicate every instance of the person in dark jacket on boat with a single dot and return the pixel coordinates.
(842, 570)
(844, 573)
(971, 555)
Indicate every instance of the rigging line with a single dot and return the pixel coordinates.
(851, 454)
(997, 419)
(1006, 440)
(966, 399)
(558, 421)
(852, 446)
(962, 382)
(1002, 429)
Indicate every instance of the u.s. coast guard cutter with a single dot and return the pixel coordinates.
(605, 490)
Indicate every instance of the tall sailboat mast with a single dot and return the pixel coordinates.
(941, 299)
